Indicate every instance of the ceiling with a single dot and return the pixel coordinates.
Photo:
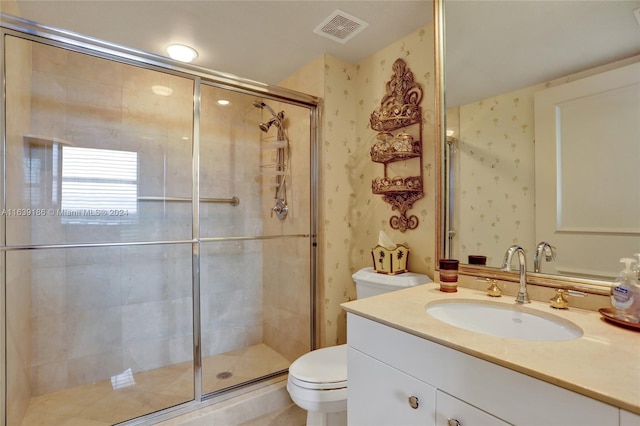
(268, 40)
(263, 40)
(495, 47)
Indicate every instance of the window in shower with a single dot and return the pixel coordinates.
(99, 186)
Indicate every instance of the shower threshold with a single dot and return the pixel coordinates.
(99, 404)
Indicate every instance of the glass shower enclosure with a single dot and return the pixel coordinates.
(143, 265)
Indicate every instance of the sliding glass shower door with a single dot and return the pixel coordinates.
(124, 297)
(98, 281)
(255, 296)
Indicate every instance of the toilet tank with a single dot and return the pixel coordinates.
(370, 283)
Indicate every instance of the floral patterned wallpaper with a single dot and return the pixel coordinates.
(350, 216)
(494, 172)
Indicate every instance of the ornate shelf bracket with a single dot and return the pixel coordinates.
(402, 202)
(399, 109)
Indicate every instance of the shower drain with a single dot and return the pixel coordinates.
(224, 375)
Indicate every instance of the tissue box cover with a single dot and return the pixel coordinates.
(390, 261)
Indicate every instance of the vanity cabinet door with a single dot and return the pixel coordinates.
(628, 418)
(451, 411)
(380, 395)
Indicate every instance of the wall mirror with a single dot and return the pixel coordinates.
(499, 58)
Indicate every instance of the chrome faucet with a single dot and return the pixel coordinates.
(549, 255)
(522, 297)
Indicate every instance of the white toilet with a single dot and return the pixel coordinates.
(318, 380)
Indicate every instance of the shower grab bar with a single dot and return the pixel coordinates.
(234, 201)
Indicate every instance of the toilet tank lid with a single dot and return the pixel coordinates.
(407, 279)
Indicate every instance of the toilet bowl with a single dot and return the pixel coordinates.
(317, 380)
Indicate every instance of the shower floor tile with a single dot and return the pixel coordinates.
(98, 404)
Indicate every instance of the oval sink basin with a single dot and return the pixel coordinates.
(503, 320)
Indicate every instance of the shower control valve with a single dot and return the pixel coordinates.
(280, 209)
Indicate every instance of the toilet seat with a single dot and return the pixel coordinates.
(322, 369)
(317, 386)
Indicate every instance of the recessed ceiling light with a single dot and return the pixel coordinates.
(223, 102)
(181, 53)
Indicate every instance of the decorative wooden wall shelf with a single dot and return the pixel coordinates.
(399, 109)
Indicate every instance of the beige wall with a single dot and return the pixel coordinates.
(350, 216)
(10, 7)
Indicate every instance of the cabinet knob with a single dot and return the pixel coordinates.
(453, 422)
(413, 402)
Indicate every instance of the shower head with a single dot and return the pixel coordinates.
(265, 126)
(276, 119)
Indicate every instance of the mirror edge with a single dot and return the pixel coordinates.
(442, 215)
(440, 110)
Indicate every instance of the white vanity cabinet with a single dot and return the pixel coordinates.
(387, 365)
(629, 419)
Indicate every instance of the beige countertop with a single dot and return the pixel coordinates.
(603, 364)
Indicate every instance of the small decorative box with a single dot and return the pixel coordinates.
(390, 262)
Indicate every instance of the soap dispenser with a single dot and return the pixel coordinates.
(625, 291)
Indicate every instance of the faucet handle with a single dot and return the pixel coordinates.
(493, 290)
(559, 300)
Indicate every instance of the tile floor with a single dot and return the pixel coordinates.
(99, 405)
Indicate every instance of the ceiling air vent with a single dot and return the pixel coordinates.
(340, 26)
